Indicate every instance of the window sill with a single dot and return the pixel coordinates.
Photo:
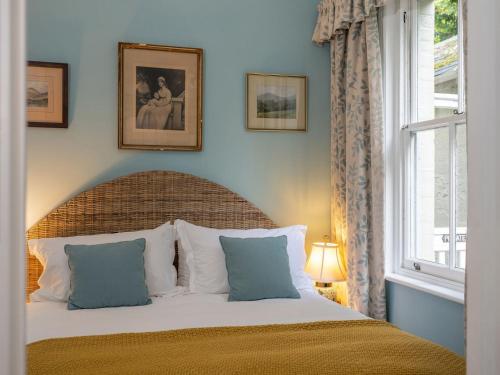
(424, 286)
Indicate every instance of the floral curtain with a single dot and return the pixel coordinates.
(357, 153)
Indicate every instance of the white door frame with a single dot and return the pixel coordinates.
(483, 255)
(12, 185)
(483, 248)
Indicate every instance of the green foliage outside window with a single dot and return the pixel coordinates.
(446, 22)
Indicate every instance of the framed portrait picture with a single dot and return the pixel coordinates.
(47, 94)
(160, 97)
(276, 102)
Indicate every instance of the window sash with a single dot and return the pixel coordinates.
(436, 123)
(409, 62)
(409, 259)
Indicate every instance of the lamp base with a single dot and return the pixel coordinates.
(323, 285)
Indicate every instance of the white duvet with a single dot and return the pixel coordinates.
(179, 310)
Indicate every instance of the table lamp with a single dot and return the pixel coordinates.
(325, 265)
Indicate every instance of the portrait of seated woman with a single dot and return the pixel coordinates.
(155, 113)
(157, 108)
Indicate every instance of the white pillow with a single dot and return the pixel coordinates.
(202, 257)
(159, 255)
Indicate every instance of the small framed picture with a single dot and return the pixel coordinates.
(47, 94)
(276, 102)
(160, 97)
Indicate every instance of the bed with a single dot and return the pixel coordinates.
(197, 333)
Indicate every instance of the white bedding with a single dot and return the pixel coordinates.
(180, 310)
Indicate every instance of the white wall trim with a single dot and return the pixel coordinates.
(12, 185)
(483, 255)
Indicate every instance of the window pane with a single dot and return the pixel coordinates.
(461, 195)
(431, 195)
(437, 59)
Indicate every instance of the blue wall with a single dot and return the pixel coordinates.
(285, 174)
(426, 315)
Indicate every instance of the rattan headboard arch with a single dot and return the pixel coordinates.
(143, 201)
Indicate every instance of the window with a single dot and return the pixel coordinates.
(433, 140)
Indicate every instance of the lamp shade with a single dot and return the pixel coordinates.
(324, 264)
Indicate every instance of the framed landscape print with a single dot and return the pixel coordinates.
(276, 102)
(47, 94)
(160, 97)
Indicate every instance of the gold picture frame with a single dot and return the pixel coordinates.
(276, 102)
(160, 101)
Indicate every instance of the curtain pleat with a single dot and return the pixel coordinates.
(337, 15)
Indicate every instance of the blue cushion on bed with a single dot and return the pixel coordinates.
(258, 268)
(107, 275)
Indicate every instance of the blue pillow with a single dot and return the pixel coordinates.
(258, 268)
(107, 275)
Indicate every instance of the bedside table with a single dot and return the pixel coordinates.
(329, 293)
(336, 293)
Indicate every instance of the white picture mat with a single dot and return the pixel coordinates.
(54, 79)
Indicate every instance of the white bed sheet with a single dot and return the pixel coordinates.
(181, 310)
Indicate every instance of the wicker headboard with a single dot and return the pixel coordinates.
(144, 201)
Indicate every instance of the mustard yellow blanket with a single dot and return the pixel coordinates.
(336, 347)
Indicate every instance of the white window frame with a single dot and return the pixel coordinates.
(398, 17)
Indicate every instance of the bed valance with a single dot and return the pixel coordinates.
(336, 15)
